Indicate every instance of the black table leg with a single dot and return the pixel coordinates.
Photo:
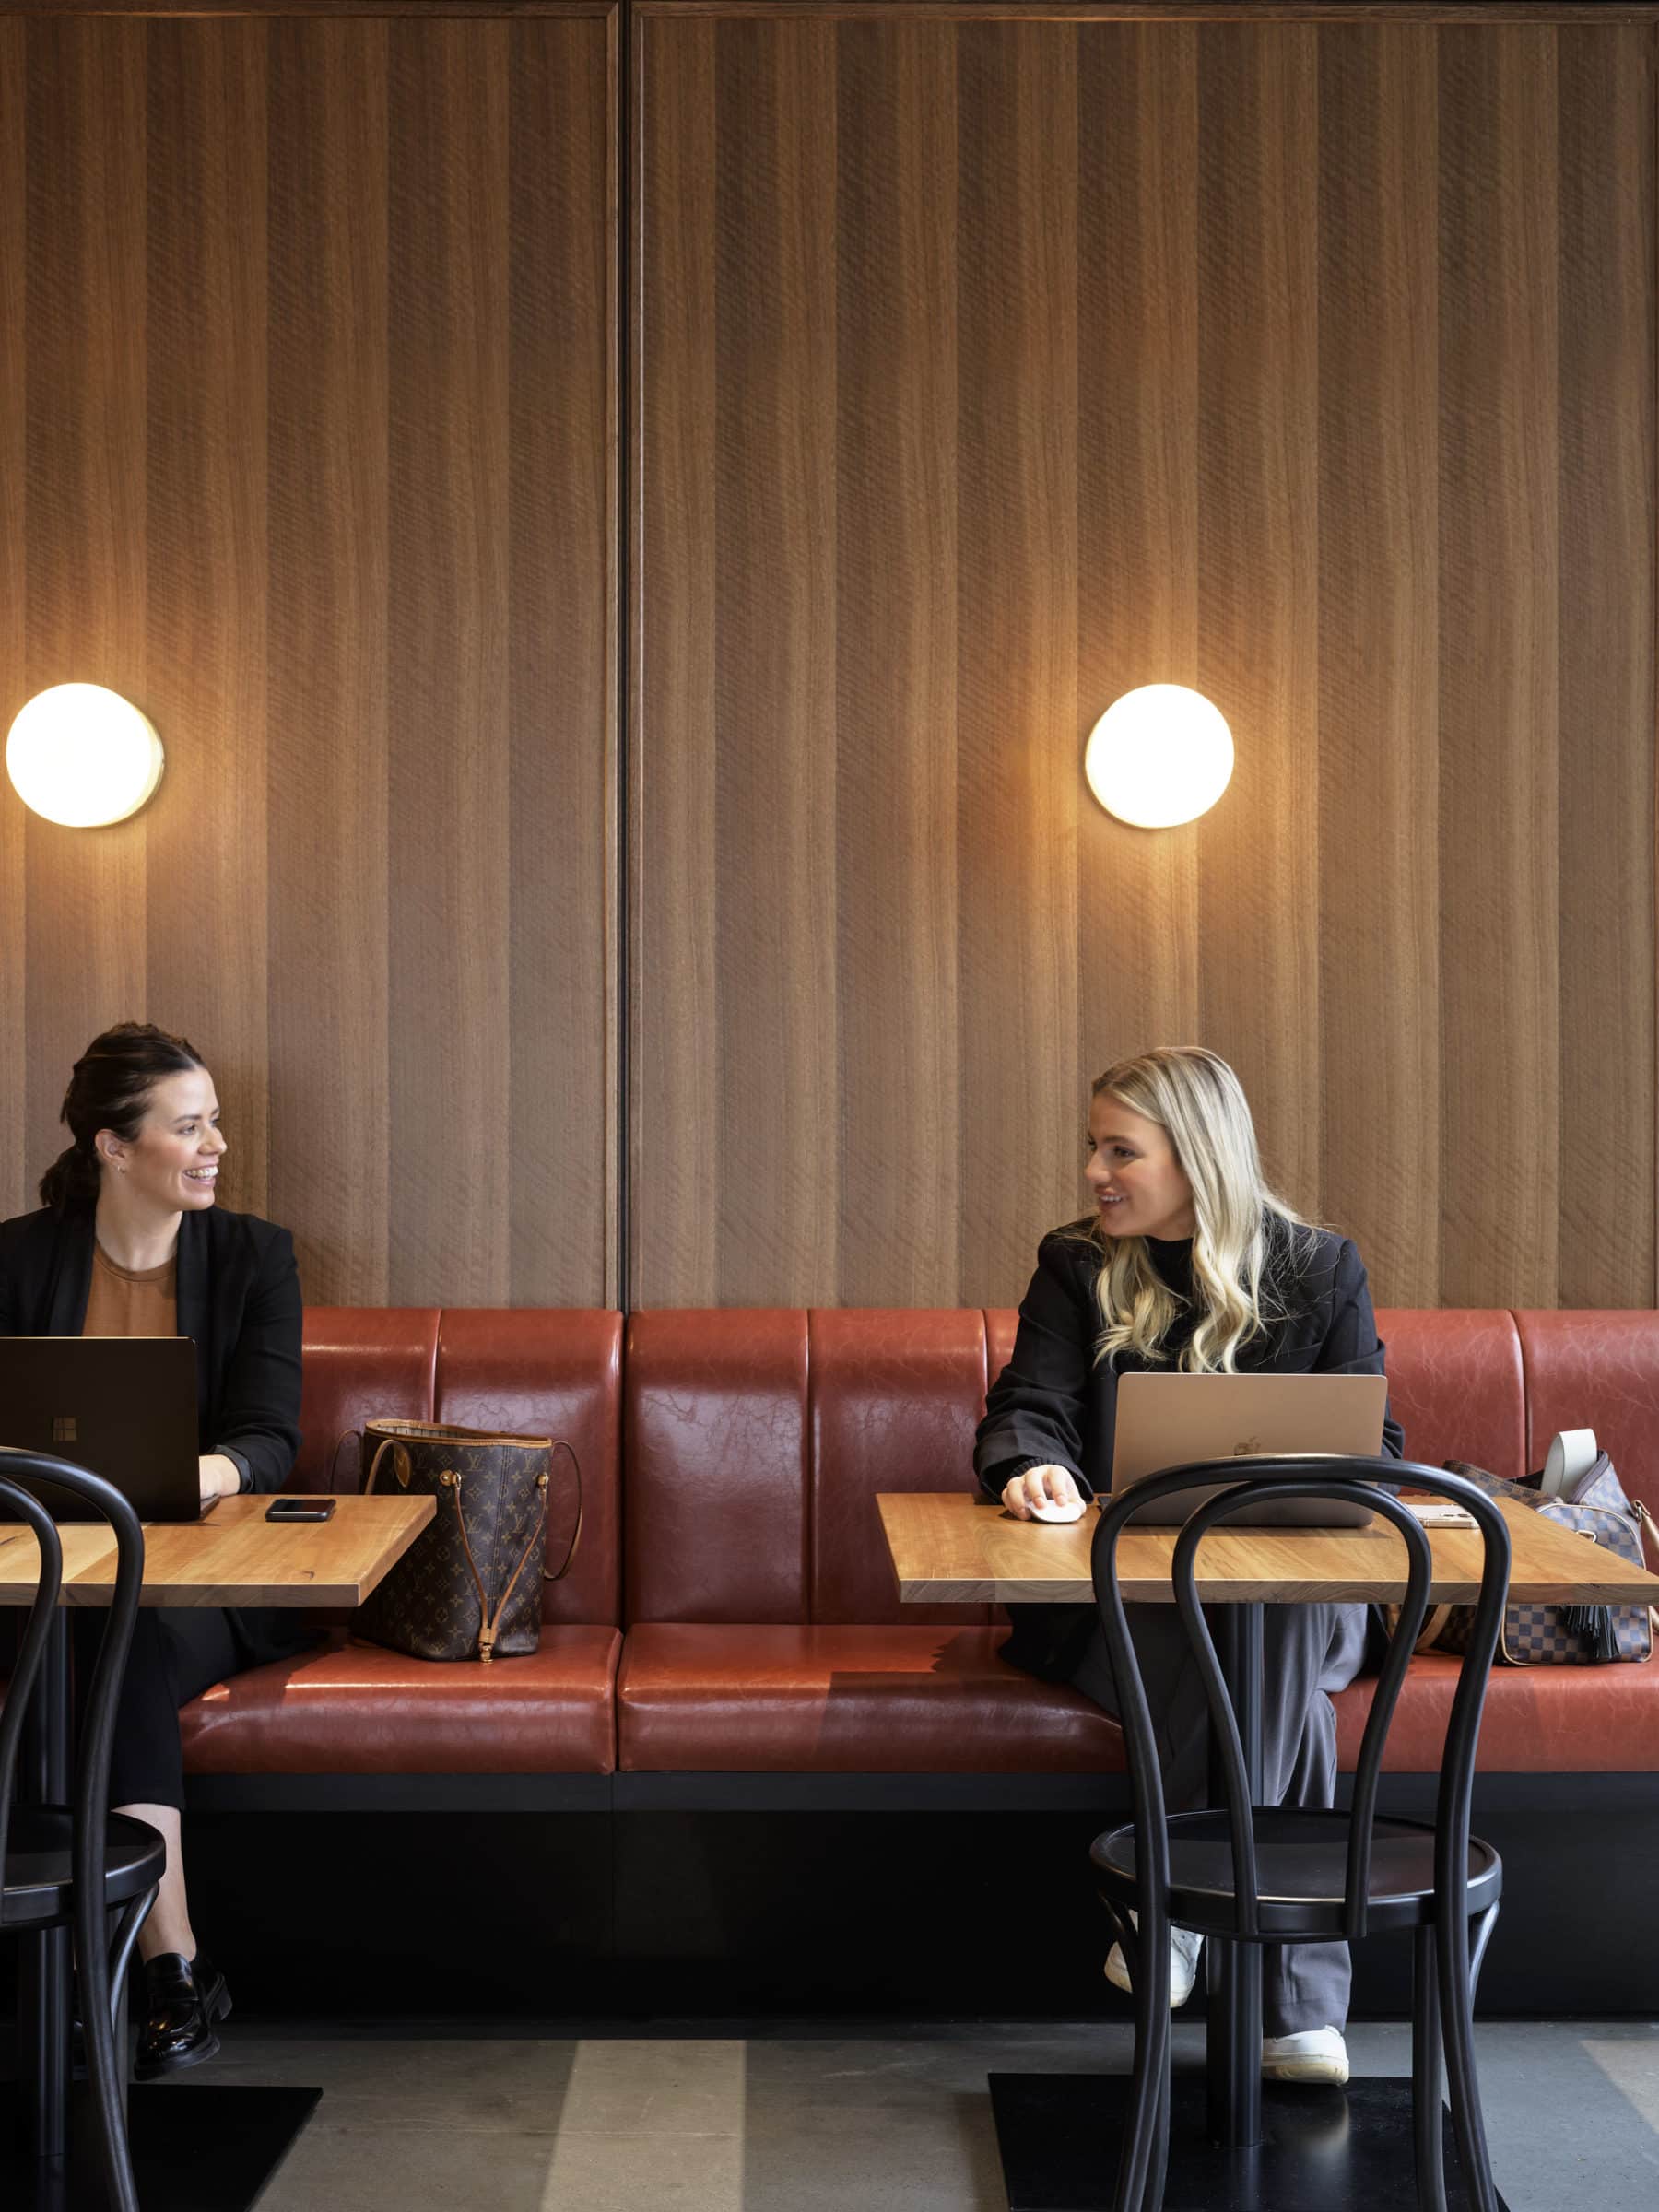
(1233, 2025)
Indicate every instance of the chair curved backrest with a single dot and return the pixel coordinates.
(1348, 1480)
(22, 1505)
(33, 1469)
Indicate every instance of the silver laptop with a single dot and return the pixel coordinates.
(1171, 1420)
(121, 1406)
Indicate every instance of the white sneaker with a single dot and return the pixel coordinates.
(1184, 1948)
(1317, 2054)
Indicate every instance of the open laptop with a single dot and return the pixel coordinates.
(1171, 1420)
(121, 1407)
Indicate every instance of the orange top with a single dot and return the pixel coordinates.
(132, 1301)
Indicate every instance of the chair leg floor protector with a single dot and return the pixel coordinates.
(1324, 2149)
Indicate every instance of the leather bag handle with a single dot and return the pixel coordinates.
(387, 1443)
(559, 1444)
(347, 1436)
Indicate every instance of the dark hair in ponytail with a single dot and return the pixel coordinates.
(110, 1089)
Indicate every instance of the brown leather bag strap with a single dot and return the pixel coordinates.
(560, 1445)
(487, 1622)
(387, 1443)
(450, 1481)
(346, 1436)
(537, 1536)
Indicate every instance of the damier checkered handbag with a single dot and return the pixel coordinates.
(1598, 1509)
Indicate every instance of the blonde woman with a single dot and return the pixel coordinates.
(1188, 1262)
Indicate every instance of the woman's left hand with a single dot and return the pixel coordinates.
(221, 1477)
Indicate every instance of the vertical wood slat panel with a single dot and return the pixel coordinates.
(1499, 537)
(774, 661)
(199, 396)
(1607, 244)
(84, 493)
(1378, 650)
(1258, 576)
(1137, 513)
(559, 680)
(675, 1057)
(895, 655)
(205, 447)
(326, 691)
(447, 685)
(1017, 597)
(14, 555)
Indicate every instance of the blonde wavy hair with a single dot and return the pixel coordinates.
(1243, 1226)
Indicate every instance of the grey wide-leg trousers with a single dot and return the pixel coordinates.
(1307, 1651)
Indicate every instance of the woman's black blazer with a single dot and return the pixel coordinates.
(1056, 1403)
(238, 1298)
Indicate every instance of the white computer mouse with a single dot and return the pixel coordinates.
(1058, 1512)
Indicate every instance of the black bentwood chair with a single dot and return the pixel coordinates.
(80, 1864)
(1250, 1874)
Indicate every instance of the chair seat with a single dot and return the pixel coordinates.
(40, 1846)
(1302, 1866)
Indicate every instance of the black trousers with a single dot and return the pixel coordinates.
(177, 1652)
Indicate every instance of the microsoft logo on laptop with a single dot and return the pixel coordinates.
(64, 1430)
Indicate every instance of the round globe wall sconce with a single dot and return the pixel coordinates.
(83, 756)
(1159, 755)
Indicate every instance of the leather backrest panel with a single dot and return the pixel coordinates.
(1600, 1370)
(358, 1362)
(550, 1372)
(1454, 1384)
(895, 1398)
(715, 1453)
(1001, 1325)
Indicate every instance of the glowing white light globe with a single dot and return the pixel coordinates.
(1159, 755)
(82, 756)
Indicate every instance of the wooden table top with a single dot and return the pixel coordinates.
(949, 1549)
(233, 1557)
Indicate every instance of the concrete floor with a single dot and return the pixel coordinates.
(436, 2122)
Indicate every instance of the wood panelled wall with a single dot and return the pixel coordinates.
(306, 399)
(976, 370)
(986, 370)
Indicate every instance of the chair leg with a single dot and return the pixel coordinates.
(128, 1921)
(1146, 2145)
(1426, 2075)
(1484, 1925)
(98, 2028)
(1457, 2010)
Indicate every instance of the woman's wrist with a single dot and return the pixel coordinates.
(221, 1477)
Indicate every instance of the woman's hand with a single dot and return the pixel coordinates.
(221, 1477)
(1039, 1485)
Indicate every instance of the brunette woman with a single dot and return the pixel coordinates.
(130, 1242)
(1187, 1261)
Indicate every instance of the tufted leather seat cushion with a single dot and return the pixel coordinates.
(1538, 1720)
(355, 1709)
(715, 1698)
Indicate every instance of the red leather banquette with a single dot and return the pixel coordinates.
(732, 1609)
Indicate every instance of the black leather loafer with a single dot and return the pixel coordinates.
(185, 2000)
